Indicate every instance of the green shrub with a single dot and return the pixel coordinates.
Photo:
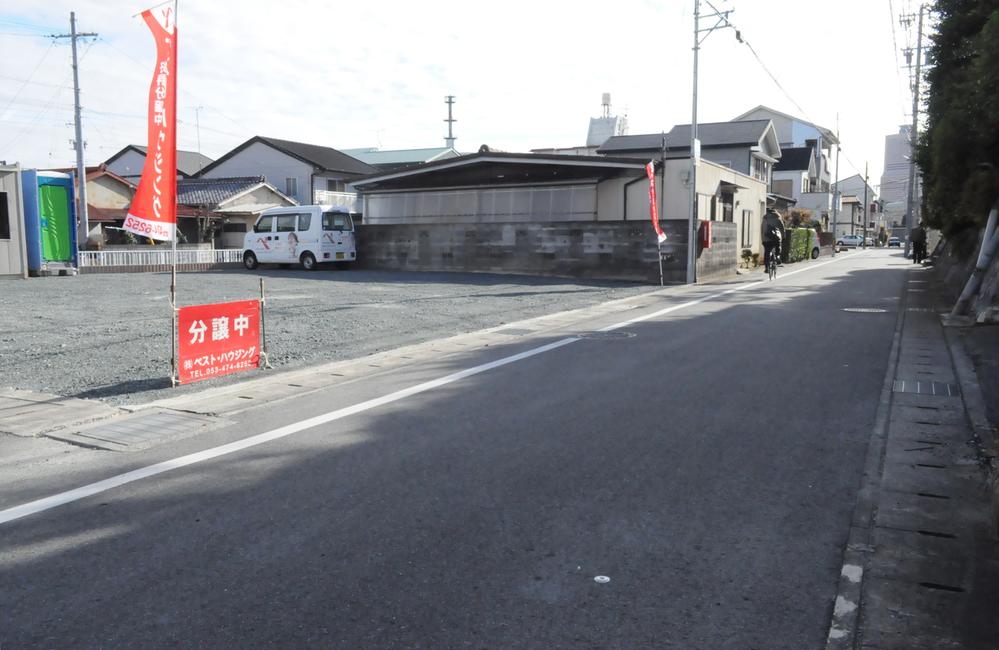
(798, 245)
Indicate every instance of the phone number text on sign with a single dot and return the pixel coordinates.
(219, 339)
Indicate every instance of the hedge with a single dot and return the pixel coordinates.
(798, 245)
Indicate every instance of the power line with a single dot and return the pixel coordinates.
(30, 77)
(48, 105)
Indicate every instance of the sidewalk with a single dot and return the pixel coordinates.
(921, 569)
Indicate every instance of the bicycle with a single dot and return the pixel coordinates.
(772, 263)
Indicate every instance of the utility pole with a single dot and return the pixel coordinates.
(83, 229)
(695, 144)
(911, 199)
(865, 205)
(836, 191)
(449, 140)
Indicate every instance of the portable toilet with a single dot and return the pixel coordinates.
(50, 222)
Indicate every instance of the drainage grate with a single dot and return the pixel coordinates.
(138, 431)
(938, 388)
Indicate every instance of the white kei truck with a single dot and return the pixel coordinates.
(301, 234)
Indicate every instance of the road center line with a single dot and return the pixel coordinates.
(62, 498)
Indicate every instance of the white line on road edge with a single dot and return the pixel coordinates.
(47, 503)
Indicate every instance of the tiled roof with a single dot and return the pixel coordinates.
(374, 156)
(209, 192)
(714, 134)
(323, 158)
(189, 163)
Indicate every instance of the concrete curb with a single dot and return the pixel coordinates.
(974, 405)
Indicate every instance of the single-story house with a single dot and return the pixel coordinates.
(222, 210)
(108, 198)
(552, 214)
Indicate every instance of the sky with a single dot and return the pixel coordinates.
(525, 74)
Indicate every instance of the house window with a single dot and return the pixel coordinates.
(234, 226)
(334, 185)
(761, 169)
(747, 228)
(4, 217)
(291, 186)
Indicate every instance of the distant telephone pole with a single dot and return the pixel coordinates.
(83, 230)
(449, 140)
(865, 205)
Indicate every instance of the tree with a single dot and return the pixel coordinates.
(958, 153)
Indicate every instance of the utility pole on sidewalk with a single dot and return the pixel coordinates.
(836, 190)
(912, 198)
(695, 144)
(83, 229)
(865, 205)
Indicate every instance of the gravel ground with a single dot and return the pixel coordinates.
(108, 336)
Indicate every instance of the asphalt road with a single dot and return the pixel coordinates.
(706, 461)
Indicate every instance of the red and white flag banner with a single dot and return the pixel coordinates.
(650, 171)
(153, 212)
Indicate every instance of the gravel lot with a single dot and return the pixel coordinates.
(108, 336)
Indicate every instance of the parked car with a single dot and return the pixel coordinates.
(894, 241)
(307, 234)
(850, 240)
(870, 241)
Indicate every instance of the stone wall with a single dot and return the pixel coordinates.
(622, 250)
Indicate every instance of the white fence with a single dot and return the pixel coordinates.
(157, 260)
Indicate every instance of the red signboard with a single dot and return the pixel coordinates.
(216, 340)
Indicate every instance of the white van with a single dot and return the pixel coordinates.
(305, 234)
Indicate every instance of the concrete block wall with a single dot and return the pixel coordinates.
(723, 255)
(623, 250)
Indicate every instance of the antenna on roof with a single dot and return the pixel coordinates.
(449, 140)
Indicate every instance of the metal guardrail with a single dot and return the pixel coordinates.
(155, 260)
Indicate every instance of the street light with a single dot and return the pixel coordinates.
(695, 145)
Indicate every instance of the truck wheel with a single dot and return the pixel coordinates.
(249, 260)
(308, 261)
(815, 253)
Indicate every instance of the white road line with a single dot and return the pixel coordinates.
(62, 498)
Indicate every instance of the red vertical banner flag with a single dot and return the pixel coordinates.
(216, 340)
(153, 212)
(650, 171)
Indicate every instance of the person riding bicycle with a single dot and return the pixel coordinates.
(773, 235)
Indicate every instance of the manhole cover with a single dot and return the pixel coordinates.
(613, 334)
(865, 310)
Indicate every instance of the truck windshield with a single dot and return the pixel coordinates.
(337, 221)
